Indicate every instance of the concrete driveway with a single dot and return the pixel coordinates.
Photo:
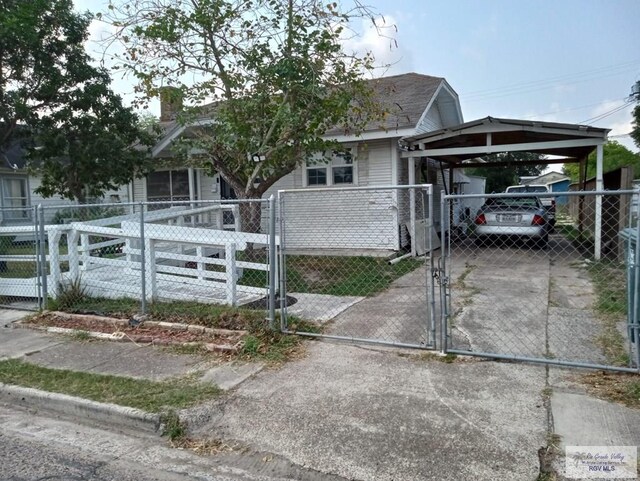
(370, 413)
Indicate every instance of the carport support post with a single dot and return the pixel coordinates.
(412, 204)
(599, 188)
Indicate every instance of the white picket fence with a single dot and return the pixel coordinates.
(155, 257)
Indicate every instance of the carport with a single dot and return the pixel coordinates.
(461, 146)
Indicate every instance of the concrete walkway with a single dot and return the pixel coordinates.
(364, 413)
(399, 314)
(368, 414)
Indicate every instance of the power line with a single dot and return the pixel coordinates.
(569, 109)
(607, 113)
(608, 70)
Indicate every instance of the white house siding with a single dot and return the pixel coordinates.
(431, 121)
(339, 220)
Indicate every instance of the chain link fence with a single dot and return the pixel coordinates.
(92, 257)
(556, 283)
(19, 258)
(355, 263)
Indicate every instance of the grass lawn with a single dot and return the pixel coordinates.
(338, 276)
(610, 282)
(150, 396)
(24, 269)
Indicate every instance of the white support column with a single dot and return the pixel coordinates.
(150, 268)
(86, 253)
(395, 161)
(74, 258)
(412, 205)
(54, 263)
(200, 264)
(231, 272)
(599, 187)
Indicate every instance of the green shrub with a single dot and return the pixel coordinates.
(86, 213)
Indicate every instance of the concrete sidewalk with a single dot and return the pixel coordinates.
(353, 412)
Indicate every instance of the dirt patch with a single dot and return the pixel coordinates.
(618, 387)
(154, 332)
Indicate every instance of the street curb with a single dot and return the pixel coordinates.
(83, 409)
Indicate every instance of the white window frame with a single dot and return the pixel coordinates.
(328, 166)
(172, 197)
(8, 215)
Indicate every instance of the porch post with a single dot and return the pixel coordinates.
(599, 187)
(412, 204)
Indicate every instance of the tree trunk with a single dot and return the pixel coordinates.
(250, 219)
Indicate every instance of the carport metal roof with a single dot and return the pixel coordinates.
(460, 143)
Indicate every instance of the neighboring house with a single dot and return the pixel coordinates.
(556, 181)
(17, 190)
(418, 103)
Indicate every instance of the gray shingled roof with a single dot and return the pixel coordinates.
(405, 96)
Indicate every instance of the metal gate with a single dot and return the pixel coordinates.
(340, 267)
(22, 258)
(530, 280)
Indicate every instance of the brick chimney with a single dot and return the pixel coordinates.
(170, 103)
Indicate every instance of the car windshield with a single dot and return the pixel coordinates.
(513, 202)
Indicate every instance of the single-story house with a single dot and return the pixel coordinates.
(418, 103)
(372, 221)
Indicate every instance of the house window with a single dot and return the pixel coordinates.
(169, 185)
(340, 170)
(15, 195)
(317, 176)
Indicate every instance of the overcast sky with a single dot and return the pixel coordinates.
(554, 60)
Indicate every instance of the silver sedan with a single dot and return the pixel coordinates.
(519, 218)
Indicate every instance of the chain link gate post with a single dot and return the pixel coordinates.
(143, 264)
(272, 262)
(634, 321)
(430, 281)
(440, 275)
(282, 271)
(38, 247)
(43, 255)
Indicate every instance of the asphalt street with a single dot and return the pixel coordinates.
(39, 448)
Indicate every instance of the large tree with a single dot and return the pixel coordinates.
(499, 178)
(615, 155)
(272, 74)
(635, 132)
(82, 139)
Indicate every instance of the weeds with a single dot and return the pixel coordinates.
(610, 285)
(173, 427)
(80, 336)
(621, 388)
(69, 294)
